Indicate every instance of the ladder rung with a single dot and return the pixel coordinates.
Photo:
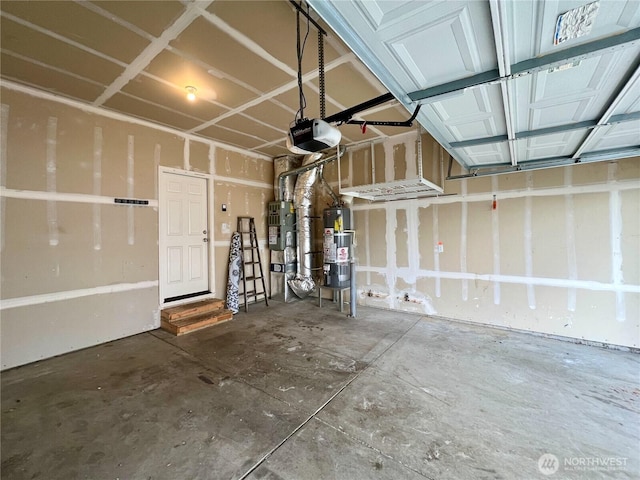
(252, 277)
(252, 263)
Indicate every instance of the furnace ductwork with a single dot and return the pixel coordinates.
(284, 187)
(304, 284)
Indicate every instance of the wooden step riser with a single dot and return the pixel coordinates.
(184, 311)
(188, 325)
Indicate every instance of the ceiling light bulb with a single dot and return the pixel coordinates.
(191, 93)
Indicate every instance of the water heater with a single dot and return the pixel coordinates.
(337, 247)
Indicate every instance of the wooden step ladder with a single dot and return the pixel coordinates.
(251, 271)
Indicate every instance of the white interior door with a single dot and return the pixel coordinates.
(184, 236)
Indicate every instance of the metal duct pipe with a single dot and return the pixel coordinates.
(284, 190)
(305, 168)
(303, 284)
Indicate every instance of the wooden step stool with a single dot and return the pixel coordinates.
(194, 316)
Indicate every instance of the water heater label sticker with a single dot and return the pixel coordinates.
(343, 254)
(328, 240)
(330, 253)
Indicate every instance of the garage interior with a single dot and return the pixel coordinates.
(486, 320)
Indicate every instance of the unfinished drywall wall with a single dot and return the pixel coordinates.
(78, 269)
(244, 185)
(560, 253)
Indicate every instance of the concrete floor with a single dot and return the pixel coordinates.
(298, 392)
